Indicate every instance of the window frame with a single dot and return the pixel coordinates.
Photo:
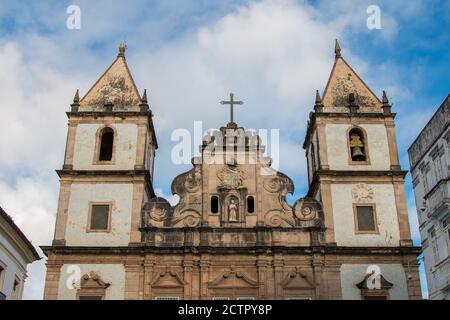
(89, 221)
(356, 220)
(98, 144)
(3, 268)
(366, 146)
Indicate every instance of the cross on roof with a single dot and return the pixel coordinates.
(231, 103)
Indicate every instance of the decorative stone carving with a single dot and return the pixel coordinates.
(231, 177)
(277, 218)
(115, 91)
(156, 210)
(232, 210)
(362, 193)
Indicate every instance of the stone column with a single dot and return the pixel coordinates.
(204, 276)
(52, 279)
(262, 277)
(62, 212)
(133, 281)
(70, 146)
(148, 279)
(278, 265)
(188, 265)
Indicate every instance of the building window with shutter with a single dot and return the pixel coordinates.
(99, 217)
(365, 218)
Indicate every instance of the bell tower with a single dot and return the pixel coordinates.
(353, 165)
(105, 179)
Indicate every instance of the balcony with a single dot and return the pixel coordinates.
(438, 197)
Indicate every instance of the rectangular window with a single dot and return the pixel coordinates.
(99, 217)
(365, 218)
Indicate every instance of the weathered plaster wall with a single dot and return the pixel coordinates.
(14, 265)
(351, 274)
(338, 154)
(125, 147)
(114, 274)
(386, 215)
(81, 194)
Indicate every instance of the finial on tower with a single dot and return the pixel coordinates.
(385, 98)
(337, 49)
(386, 105)
(144, 96)
(76, 98)
(144, 102)
(318, 105)
(76, 101)
(122, 48)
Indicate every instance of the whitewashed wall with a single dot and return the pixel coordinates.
(81, 194)
(14, 265)
(344, 221)
(351, 274)
(125, 147)
(338, 154)
(114, 274)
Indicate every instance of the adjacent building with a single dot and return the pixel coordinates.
(232, 235)
(429, 157)
(16, 252)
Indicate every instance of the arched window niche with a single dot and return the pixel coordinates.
(357, 143)
(105, 146)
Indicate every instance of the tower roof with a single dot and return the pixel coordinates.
(343, 81)
(116, 85)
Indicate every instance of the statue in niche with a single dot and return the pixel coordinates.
(232, 211)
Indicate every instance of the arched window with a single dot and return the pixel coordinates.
(214, 204)
(250, 204)
(106, 144)
(357, 145)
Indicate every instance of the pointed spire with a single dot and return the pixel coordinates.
(76, 98)
(385, 98)
(318, 106)
(122, 49)
(76, 101)
(144, 96)
(337, 49)
(318, 98)
(386, 105)
(144, 102)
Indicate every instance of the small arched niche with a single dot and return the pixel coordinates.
(357, 144)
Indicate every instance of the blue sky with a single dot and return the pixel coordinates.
(189, 55)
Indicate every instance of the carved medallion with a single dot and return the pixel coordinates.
(231, 177)
(158, 214)
(362, 193)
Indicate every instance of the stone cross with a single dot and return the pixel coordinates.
(231, 103)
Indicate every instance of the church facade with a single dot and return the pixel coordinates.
(232, 234)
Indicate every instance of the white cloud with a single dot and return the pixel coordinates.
(32, 205)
